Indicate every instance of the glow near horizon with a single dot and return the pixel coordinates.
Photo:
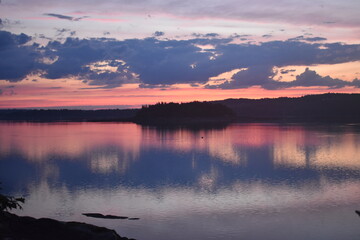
(254, 21)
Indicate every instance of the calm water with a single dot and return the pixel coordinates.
(246, 181)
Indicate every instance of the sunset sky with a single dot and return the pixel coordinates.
(92, 54)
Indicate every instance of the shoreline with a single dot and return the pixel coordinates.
(14, 227)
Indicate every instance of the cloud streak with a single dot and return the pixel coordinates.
(332, 12)
(65, 17)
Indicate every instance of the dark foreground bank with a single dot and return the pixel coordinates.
(13, 227)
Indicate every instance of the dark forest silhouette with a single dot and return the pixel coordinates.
(331, 107)
(184, 113)
(67, 115)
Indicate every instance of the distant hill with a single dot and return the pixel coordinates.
(67, 115)
(330, 107)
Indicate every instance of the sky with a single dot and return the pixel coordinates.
(91, 54)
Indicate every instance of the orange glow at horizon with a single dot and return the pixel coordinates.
(44, 93)
(345, 71)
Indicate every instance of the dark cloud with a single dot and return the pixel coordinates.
(309, 39)
(75, 58)
(42, 36)
(151, 62)
(72, 55)
(62, 31)
(207, 35)
(59, 16)
(260, 75)
(298, 38)
(212, 35)
(241, 36)
(283, 71)
(16, 59)
(267, 36)
(263, 76)
(109, 79)
(356, 83)
(315, 39)
(159, 86)
(65, 17)
(1, 92)
(158, 34)
(54, 88)
(311, 78)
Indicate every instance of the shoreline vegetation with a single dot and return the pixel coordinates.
(322, 108)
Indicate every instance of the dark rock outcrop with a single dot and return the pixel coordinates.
(99, 215)
(357, 212)
(13, 227)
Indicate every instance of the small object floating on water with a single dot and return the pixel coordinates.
(99, 215)
(133, 218)
(357, 212)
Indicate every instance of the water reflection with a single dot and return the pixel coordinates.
(39, 142)
(235, 179)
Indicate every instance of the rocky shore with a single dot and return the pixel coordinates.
(13, 227)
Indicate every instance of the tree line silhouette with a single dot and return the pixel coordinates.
(50, 115)
(192, 112)
(330, 107)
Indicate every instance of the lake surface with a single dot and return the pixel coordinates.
(244, 181)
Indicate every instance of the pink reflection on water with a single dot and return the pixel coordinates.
(234, 209)
(38, 142)
(292, 146)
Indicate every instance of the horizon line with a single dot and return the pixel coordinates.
(134, 107)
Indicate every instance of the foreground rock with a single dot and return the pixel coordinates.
(99, 215)
(13, 227)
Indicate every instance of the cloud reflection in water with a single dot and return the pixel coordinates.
(221, 183)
